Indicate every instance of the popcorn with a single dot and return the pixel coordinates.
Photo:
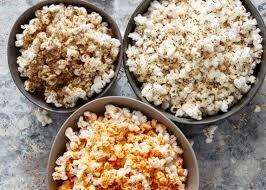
(257, 109)
(140, 20)
(191, 110)
(195, 57)
(209, 133)
(241, 84)
(42, 116)
(66, 54)
(120, 151)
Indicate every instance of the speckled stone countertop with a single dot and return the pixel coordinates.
(235, 160)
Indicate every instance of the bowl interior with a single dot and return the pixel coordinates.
(13, 52)
(98, 106)
(259, 71)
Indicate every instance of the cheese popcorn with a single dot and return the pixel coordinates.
(120, 150)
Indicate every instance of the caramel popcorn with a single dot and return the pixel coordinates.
(120, 150)
(66, 54)
(195, 57)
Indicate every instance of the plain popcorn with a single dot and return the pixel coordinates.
(195, 57)
(66, 54)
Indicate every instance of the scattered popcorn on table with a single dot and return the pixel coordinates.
(195, 57)
(42, 116)
(66, 54)
(209, 133)
(120, 150)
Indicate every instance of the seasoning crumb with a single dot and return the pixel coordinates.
(42, 116)
(257, 109)
(209, 133)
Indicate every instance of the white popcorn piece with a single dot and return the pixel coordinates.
(257, 109)
(42, 116)
(73, 94)
(140, 20)
(70, 134)
(241, 84)
(209, 133)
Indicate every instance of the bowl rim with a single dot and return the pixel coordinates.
(14, 72)
(207, 119)
(117, 98)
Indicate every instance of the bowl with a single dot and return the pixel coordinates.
(259, 71)
(13, 53)
(98, 106)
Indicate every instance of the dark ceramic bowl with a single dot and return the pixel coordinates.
(259, 71)
(98, 106)
(13, 53)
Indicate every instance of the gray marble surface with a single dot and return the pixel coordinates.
(235, 160)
